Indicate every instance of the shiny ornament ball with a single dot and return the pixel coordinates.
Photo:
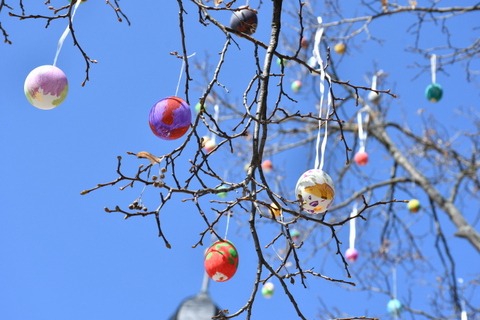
(296, 86)
(267, 166)
(315, 190)
(351, 254)
(374, 97)
(222, 195)
(414, 206)
(294, 234)
(340, 48)
(394, 307)
(361, 158)
(245, 21)
(46, 87)
(221, 261)
(170, 118)
(268, 290)
(434, 92)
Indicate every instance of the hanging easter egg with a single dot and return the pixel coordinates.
(209, 145)
(200, 107)
(315, 190)
(221, 260)
(414, 206)
(245, 21)
(170, 118)
(296, 86)
(434, 92)
(267, 290)
(222, 195)
(394, 307)
(274, 210)
(267, 166)
(374, 97)
(46, 87)
(304, 43)
(351, 254)
(294, 234)
(361, 158)
(340, 48)
(282, 62)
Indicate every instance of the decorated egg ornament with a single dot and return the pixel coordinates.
(209, 145)
(361, 158)
(200, 107)
(268, 290)
(414, 206)
(46, 87)
(222, 195)
(170, 118)
(282, 62)
(374, 97)
(296, 86)
(434, 92)
(221, 260)
(315, 190)
(340, 48)
(267, 166)
(245, 21)
(295, 234)
(274, 210)
(351, 254)
(394, 307)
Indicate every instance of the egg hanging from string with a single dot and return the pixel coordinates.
(315, 190)
(222, 195)
(221, 260)
(46, 87)
(274, 210)
(434, 92)
(394, 307)
(294, 234)
(267, 166)
(374, 97)
(244, 20)
(361, 158)
(268, 290)
(170, 118)
(340, 48)
(414, 206)
(296, 86)
(351, 254)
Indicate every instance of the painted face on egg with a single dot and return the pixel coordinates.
(315, 190)
(170, 118)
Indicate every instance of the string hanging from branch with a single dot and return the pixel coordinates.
(315, 189)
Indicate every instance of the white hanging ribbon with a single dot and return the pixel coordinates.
(181, 72)
(433, 65)
(228, 224)
(362, 135)
(216, 109)
(353, 230)
(65, 33)
(319, 159)
(463, 314)
(394, 275)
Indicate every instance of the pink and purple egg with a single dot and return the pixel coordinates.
(170, 118)
(46, 87)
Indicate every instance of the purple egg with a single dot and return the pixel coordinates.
(46, 87)
(244, 21)
(170, 118)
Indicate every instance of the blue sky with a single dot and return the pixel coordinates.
(64, 257)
